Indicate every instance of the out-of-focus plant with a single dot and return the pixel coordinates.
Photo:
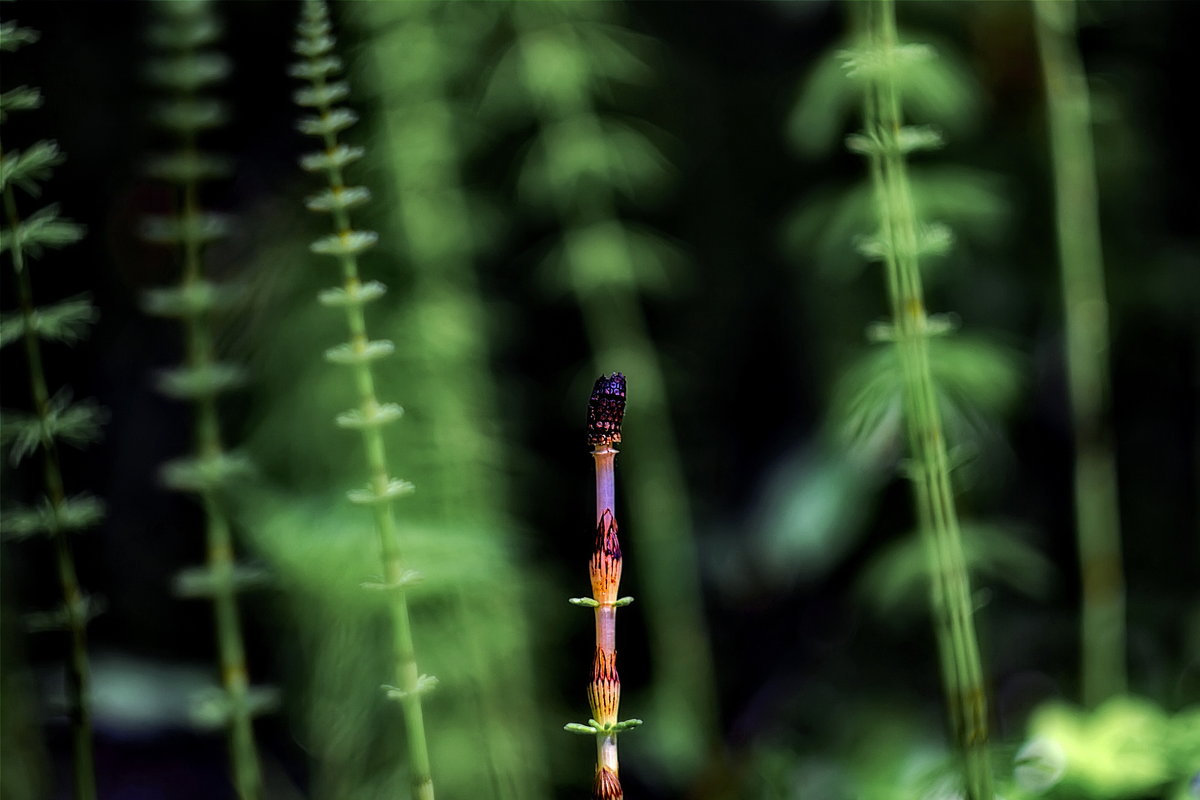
(1127, 747)
(26, 769)
(817, 507)
(900, 244)
(969, 200)
(186, 67)
(419, 66)
(1085, 318)
(469, 612)
(581, 167)
(940, 91)
(56, 418)
(874, 750)
(897, 578)
(320, 68)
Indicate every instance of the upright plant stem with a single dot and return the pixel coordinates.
(950, 584)
(317, 44)
(74, 603)
(605, 410)
(1085, 312)
(219, 540)
(444, 332)
(616, 328)
(187, 68)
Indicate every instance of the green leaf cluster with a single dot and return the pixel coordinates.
(968, 201)
(896, 581)
(71, 514)
(976, 381)
(76, 424)
(65, 322)
(1125, 748)
(935, 84)
(584, 164)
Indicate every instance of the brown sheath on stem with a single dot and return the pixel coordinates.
(607, 787)
(604, 692)
(605, 566)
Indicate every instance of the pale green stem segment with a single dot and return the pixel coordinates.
(1085, 313)
(950, 591)
(616, 327)
(74, 603)
(247, 776)
(408, 678)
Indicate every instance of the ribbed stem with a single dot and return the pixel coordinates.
(78, 681)
(406, 674)
(1085, 313)
(950, 594)
(243, 750)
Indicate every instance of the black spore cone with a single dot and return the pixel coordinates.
(605, 410)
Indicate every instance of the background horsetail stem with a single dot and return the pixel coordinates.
(1085, 314)
(187, 67)
(28, 169)
(605, 411)
(74, 603)
(231, 652)
(950, 584)
(316, 45)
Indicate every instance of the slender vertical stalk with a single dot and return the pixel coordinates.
(65, 514)
(605, 411)
(316, 46)
(950, 594)
(187, 68)
(616, 328)
(75, 610)
(231, 654)
(1085, 313)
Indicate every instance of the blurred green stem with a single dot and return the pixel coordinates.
(616, 328)
(230, 649)
(407, 676)
(950, 583)
(1085, 312)
(186, 30)
(74, 604)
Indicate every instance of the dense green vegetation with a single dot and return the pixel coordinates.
(905, 294)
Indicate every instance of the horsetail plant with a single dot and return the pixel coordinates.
(185, 68)
(900, 243)
(1085, 314)
(605, 411)
(320, 64)
(55, 418)
(421, 80)
(581, 163)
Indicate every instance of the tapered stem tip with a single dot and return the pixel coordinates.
(605, 410)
